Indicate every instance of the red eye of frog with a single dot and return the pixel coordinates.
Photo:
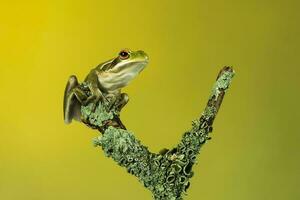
(124, 54)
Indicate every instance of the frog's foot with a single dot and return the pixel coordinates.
(121, 101)
(111, 100)
(80, 95)
(94, 100)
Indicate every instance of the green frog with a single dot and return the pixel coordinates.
(103, 82)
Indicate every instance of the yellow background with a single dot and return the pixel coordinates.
(254, 153)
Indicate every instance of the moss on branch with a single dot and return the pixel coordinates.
(165, 174)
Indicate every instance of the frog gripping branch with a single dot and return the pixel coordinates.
(98, 101)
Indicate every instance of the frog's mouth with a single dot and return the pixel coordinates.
(129, 67)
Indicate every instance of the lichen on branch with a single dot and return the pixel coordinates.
(165, 174)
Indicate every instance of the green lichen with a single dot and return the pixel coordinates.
(222, 83)
(209, 112)
(95, 117)
(167, 173)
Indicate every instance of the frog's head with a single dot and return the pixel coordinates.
(118, 72)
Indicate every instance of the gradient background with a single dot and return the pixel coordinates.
(254, 153)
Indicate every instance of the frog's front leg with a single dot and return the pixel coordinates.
(121, 101)
(94, 98)
(116, 101)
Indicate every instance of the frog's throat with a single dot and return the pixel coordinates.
(117, 80)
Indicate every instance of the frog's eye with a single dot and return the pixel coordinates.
(124, 54)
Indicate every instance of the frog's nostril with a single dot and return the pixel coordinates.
(142, 53)
(146, 57)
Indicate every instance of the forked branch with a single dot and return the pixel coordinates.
(165, 174)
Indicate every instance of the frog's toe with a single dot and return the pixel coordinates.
(122, 101)
(91, 99)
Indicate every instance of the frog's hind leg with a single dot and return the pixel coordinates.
(72, 100)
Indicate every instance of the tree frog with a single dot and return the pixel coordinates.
(104, 81)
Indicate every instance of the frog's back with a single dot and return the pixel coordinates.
(104, 66)
(93, 75)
